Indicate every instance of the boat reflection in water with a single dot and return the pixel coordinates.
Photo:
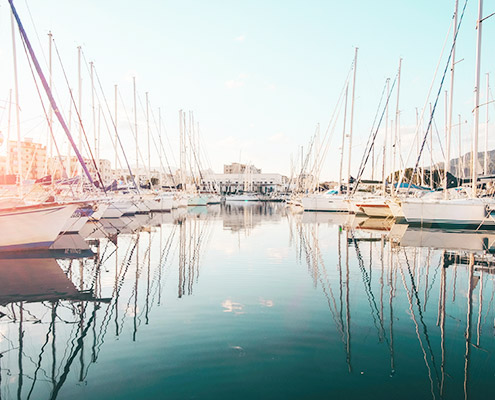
(228, 297)
(420, 286)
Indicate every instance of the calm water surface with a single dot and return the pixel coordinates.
(251, 301)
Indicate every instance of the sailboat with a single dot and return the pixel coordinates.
(470, 212)
(33, 227)
(36, 226)
(331, 200)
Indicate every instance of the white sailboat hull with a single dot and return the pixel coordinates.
(332, 203)
(461, 212)
(33, 227)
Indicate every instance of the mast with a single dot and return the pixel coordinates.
(451, 103)
(431, 153)
(99, 126)
(18, 118)
(384, 161)
(180, 152)
(50, 110)
(136, 127)
(79, 81)
(447, 161)
(69, 162)
(474, 158)
(97, 152)
(485, 167)
(160, 140)
(394, 145)
(352, 121)
(421, 169)
(461, 158)
(116, 124)
(343, 140)
(148, 134)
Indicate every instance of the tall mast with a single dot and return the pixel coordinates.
(181, 153)
(80, 103)
(384, 161)
(460, 164)
(421, 168)
(136, 127)
(50, 110)
(160, 140)
(184, 140)
(97, 152)
(69, 166)
(447, 161)
(431, 153)
(474, 158)
(394, 144)
(485, 168)
(18, 118)
(116, 124)
(352, 121)
(343, 140)
(99, 126)
(148, 134)
(461, 158)
(451, 104)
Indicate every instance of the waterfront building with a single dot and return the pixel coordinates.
(33, 159)
(237, 168)
(264, 183)
(56, 170)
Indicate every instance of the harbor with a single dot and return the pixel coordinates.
(226, 201)
(252, 301)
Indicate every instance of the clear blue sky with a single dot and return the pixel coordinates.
(259, 75)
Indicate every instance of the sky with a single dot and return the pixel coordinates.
(258, 75)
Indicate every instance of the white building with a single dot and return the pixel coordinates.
(235, 183)
(237, 168)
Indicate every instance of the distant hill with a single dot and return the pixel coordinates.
(461, 167)
(465, 164)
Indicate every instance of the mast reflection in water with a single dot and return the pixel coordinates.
(251, 301)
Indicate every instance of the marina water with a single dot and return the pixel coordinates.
(249, 301)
